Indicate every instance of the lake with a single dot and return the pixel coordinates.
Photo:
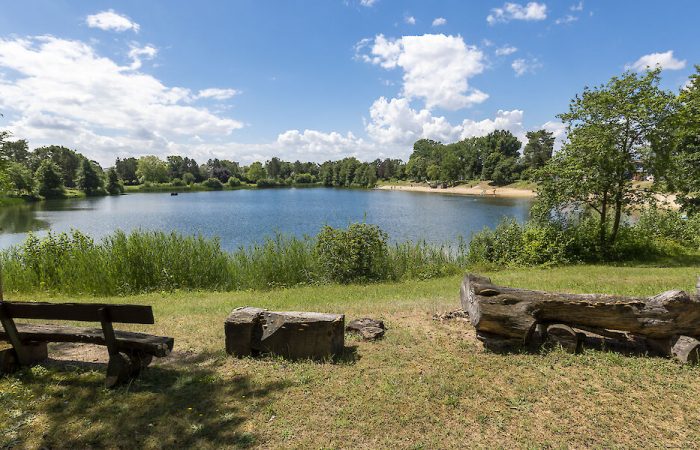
(243, 217)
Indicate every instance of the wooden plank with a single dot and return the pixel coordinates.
(108, 332)
(82, 312)
(126, 341)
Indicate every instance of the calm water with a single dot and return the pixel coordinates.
(247, 216)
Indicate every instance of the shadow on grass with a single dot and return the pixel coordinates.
(186, 403)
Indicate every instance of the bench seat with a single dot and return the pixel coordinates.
(127, 341)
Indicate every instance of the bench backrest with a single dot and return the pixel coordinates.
(82, 312)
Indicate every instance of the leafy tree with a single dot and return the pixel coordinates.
(151, 169)
(233, 182)
(539, 148)
(273, 168)
(188, 178)
(256, 172)
(684, 176)
(89, 180)
(126, 169)
(16, 151)
(213, 183)
(66, 159)
(49, 180)
(114, 184)
(610, 128)
(20, 178)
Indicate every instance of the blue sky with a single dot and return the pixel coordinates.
(316, 80)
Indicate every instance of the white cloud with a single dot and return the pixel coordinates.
(217, 94)
(58, 91)
(110, 20)
(410, 20)
(515, 11)
(439, 21)
(566, 19)
(506, 50)
(558, 129)
(577, 7)
(368, 3)
(137, 53)
(436, 67)
(521, 66)
(665, 60)
(395, 124)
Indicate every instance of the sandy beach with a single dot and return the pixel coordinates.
(481, 189)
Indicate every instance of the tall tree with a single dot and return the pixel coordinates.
(273, 167)
(48, 179)
(89, 180)
(610, 128)
(114, 184)
(151, 169)
(539, 148)
(126, 169)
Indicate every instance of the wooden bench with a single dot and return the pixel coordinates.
(128, 352)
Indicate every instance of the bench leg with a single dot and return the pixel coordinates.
(139, 361)
(34, 353)
(118, 370)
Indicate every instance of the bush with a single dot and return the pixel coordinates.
(233, 182)
(213, 183)
(358, 253)
(177, 182)
(304, 178)
(268, 183)
(188, 178)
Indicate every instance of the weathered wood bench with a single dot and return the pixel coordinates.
(128, 352)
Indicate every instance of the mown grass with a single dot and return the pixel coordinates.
(428, 384)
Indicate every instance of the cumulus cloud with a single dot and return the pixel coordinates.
(110, 20)
(515, 11)
(436, 68)
(61, 91)
(138, 53)
(439, 21)
(217, 94)
(521, 66)
(506, 50)
(410, 20)
(665, 60)
(395, 123)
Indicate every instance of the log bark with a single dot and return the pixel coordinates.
(514, 313)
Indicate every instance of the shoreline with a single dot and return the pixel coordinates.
(480, 190)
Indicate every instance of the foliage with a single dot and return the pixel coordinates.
(148, 261)
(48, 179)
(126, 169)
(114, 184)
(90, 180)
(256, 172)
(20, 178)
(684, 158)
(152, 169)
(188, 178)
(213, 183)
(357, 253)
(538, 150)
(233, 182)
(611, 128)
(304, 178)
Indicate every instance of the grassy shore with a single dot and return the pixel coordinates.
(428, 384)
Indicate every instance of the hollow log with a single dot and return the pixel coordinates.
(515, 313)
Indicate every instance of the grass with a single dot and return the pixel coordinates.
(428, 384)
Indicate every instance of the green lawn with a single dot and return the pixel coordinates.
(428, 384)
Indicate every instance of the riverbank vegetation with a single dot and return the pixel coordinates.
(427, 384)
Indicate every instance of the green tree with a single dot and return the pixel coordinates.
(684, 174)
(16, 151)
(151, 169)
(539, 148)
(89, 180)
(49, 180)
(256, 172)
(20, 178)
(67, 160)
(610, 128)
(114, 184)
(188, 178)
(273, 168)
(126, 169)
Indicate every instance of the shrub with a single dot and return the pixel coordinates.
(304, 178)
(188, 178)
(177, 182)
(358, 253)
(213, 183)
(233, 182)
(267, 183)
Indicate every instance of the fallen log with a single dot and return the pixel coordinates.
(515, 313)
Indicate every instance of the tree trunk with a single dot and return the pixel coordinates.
(514, 313)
